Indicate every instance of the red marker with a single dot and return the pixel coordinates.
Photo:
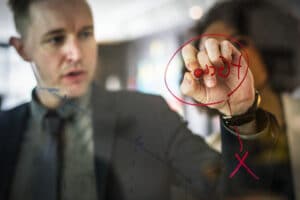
(198, 73)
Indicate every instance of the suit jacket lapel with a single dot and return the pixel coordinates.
(104, 122)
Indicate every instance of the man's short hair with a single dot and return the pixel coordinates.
(21, 13)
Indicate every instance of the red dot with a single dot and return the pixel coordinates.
(198, 72)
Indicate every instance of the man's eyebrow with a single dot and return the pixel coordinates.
(90, 27)
(54, 32)
(60, 31)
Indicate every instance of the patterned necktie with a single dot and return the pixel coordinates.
(48, 176)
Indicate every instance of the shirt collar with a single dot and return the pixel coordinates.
(68, 109)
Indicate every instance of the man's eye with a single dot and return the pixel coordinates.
(57, 40)
(85, 34)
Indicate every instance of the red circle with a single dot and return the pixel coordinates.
(198, 72)
(227, 37)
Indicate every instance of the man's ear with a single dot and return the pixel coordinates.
(18, 44)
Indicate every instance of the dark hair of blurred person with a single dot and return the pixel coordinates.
(269, 33)
(270, 36)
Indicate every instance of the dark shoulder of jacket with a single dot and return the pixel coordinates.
(12, 126)
(145, 108)
(132, 100)
(129, 101)
(10, 119)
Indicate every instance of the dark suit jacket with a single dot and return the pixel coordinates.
(141, 148)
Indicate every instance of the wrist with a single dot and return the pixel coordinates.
(248, 116)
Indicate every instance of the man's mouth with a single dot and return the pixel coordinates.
(74, 73)
(74, 76)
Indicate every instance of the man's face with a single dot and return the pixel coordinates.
(60, 42)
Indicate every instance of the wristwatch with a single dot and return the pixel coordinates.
(246, 117)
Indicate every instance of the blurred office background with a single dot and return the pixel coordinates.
(136, 40)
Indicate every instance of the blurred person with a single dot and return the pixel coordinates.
(74, 140)
(265, 32)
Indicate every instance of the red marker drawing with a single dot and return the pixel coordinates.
(198, 73)
(219, 71)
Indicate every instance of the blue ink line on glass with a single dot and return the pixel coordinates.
(64, 98)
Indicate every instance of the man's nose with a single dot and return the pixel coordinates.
(73, 51)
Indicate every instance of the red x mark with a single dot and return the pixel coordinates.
(242, 163)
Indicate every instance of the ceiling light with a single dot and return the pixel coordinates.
(195, 12)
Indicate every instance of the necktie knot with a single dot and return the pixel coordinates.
(53, 123)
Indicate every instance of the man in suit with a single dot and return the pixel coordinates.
(123, 145)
